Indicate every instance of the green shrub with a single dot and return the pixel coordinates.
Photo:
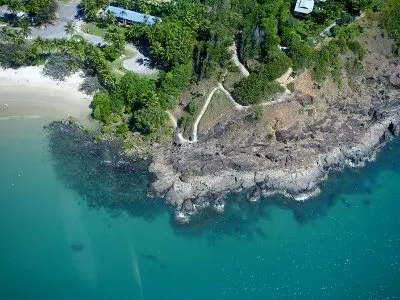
(255, 88)
(256, 112)
(122, 130)
(357, 49)
(277, 65)
(172, 83)
(391, 12)
(110, 53)
(354, 68)
(8, 54)
(191, 107)
(149, 118)
(322, 66)
(101, 105)
(291, 87)
(301, 55)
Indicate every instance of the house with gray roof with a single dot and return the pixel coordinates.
(130, 16)
(303, 7)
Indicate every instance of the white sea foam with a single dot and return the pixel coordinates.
(307, 195)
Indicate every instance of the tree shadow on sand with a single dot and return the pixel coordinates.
(107, 179)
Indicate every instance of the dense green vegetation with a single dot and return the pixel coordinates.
(191, 44)
(391, 13)
(39, 11)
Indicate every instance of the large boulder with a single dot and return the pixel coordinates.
(395, 78)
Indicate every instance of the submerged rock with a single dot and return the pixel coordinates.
(395, 79)
(181, 217)
(219, 205)
(77, 247)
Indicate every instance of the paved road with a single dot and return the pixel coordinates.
(139, 63)
(67, 13)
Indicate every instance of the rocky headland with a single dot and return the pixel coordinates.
(299, 141)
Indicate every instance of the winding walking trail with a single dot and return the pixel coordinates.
(283, 80)
(203, 110)
(174, 122)
(175, 125)
(236, 61)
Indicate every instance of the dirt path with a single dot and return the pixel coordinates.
(237, 62)
(175, 125)
(228, 94)
(174, 122)
(283, 80)
(203, 110)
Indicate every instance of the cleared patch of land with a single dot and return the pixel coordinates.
(191, 103)
(118, 63)
(230, 79)
(91, 28)
(219, 111)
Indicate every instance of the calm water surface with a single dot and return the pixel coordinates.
(343, 245)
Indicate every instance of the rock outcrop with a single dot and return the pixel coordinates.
(344, 129)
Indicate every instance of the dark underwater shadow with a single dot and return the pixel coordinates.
(100, 172)
(106, 179)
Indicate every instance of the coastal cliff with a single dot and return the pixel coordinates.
(316, 130)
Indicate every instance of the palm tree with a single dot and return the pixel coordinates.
(25, 29)
(123, 15)
(18, 37)
(6, 34)
(69, 28)
(12, 36)
(110, 18)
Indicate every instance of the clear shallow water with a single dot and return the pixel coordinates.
(343, 245)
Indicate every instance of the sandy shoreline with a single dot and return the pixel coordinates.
(27, 92)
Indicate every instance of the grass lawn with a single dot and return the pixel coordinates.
(198, 95)
(118, 63)
(231, 78)
(118, 66)
(92, 28)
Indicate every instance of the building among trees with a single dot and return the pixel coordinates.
(129, 16)
(303, 7)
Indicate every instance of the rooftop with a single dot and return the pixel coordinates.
(132, 16)
(304, 7)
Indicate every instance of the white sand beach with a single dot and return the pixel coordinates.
(27, 92)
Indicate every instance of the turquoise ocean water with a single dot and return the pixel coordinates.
(343, 245)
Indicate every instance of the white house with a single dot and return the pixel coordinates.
(303, 7)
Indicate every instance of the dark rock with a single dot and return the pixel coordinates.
(219, 205)
(394, 129)
(188, 207)
(395, 79)
(284, 136)
(304, 100)
(181, 217)
(254, 196)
